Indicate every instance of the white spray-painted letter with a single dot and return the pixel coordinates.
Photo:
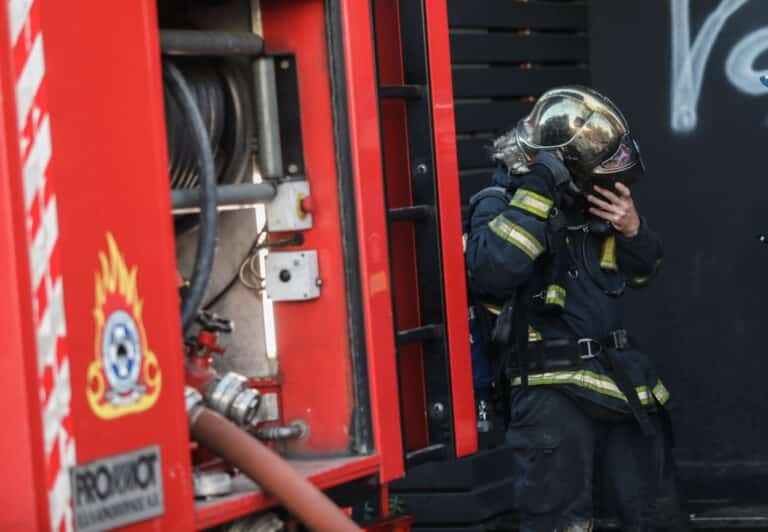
(739, 67)
(688, 62)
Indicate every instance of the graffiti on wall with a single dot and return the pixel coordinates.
(689, 60)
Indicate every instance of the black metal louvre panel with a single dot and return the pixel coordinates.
(505, 53)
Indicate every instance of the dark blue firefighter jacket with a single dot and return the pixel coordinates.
(507, 248)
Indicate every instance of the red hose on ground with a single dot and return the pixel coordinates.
(272, 473)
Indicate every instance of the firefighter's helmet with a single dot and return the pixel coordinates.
(586, 128)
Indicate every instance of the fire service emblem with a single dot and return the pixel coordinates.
(124, 377)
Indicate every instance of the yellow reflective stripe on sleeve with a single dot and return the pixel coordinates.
(517, 236)
(608, 255)
(597, 383)
(493, 309)
(555, 295)
(531, 202)
(660, 392)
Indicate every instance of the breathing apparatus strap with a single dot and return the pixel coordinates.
(615, 365)
(559, 261)
(510, 335)
(608, 254)
(520, 324)
(561, 177)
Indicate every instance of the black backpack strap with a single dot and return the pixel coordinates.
(557, 263)
(520, 320)
(511, 335)
(510, 331)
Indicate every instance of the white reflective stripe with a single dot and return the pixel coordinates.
(57, 407)
(18, 11)
(51, 326)
(534, 201)
(42, 246)
(52, 357)
(29, 81)
(660, 392)
(603, 383)
(531, 202)
(592, 381)
(516, 235)
(37, 162)
(59, 495)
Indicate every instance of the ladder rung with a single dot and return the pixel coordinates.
(414, 213)
(427, 454)
(420, 334)
(406, 92)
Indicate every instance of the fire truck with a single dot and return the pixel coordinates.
(241, 211)
(233, 271)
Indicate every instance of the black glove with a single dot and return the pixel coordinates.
(549, 176)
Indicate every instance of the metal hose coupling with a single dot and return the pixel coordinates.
(193, 402)
(230, 396)
(297, 429)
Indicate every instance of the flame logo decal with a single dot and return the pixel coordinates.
(124, 377)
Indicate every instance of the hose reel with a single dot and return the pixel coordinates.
(222, 97)
(210, 125)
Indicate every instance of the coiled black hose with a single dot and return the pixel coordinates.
(200, 147)
(222, 96)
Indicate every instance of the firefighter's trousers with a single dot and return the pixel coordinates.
(568, 453)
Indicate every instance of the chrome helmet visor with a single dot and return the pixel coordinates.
(625, 157)
(625, 165)
(585, 128)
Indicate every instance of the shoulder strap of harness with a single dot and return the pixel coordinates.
(510, 330)
(497, 192)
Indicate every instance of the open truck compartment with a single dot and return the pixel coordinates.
(256, 206)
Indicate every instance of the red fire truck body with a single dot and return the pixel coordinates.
(90, 256)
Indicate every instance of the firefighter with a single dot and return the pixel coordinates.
(550, 248)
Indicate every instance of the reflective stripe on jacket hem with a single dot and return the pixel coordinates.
(595, 382)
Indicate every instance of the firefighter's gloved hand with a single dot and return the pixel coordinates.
(549, 176)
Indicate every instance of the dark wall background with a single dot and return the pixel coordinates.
(505, 54)
(705, 319)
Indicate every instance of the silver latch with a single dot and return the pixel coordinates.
(593, 347)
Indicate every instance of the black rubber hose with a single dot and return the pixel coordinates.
(242, 126)
(210, 43)
(207, 234)
(223, 99)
